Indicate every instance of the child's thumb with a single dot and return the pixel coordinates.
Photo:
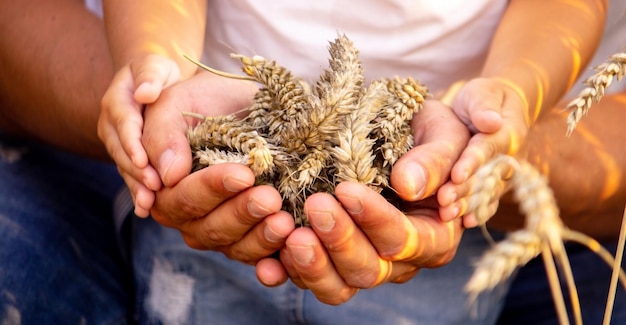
(151, 76)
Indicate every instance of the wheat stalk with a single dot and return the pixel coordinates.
(613, 68)
(305, 140)
(543, 233)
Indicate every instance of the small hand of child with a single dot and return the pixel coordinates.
(496, 115)
(121, 122)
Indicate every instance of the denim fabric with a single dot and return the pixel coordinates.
(530, 301)
(59, 260)
(178, 285)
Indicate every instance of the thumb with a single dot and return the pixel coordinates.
(151, 75)
(166, 144)
(479, 105)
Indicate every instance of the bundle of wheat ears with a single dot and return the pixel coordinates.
(304, 139)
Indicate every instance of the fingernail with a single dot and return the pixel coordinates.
(257, 210)
(416, 183)
(302, 254)
(272, 236)
(167, 159)
(322, 220)
(234, 184)
(455, 212)
(466, 175)
(352, 204)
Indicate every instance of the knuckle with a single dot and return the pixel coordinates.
(338, 298)
(213, 237)
(238, 254)
(363, 279)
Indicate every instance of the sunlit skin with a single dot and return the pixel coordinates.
(535, 79)
(80, 54)
(585, 170)
(67, 53)
(159, 33)
(520, 79)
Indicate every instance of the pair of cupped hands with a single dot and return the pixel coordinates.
(357, 239)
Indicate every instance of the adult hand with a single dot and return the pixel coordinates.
(216, 208)
(359, 240)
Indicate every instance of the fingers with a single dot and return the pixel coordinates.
(270, 272)
(227, 215)
(362, 241)
(485, 146)
(477, 194)
(416, 237)
(165, 130)
(264, 239)
(439, 140)
(387, 228)
(355, 258)
(164, 137)
(310, 267)
(456, 198)
(151, 75)
(121, 118)
(201, 192)
(482, 102)
(438, 241)
(143, 198)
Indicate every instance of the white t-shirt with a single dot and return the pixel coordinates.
(435, 42)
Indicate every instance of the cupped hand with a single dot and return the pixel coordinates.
(120, 124)
(165, 127)
(497, 115)
(218, 208)
(358, 239)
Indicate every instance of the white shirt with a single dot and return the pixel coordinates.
(435, 42)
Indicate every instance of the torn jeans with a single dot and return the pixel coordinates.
(59, 261)
(179, 285)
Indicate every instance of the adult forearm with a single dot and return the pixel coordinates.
(169, 28)
(541, 47)
(55, 68)
(586, 171)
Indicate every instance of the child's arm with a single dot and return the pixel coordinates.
(136, 29)
(537, 53)
(147, 40)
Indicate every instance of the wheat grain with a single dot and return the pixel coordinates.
(613, 68)
(499, 263)
(305, 140)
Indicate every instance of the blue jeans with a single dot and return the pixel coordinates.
(530, 301)
(59, 259)
(179, 285)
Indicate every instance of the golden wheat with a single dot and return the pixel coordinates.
(543, 234)
(304, 139)
(613, 68)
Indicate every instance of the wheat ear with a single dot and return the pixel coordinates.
(613, 68)
(228, 131)
(537, 203)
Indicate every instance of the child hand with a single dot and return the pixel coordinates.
(121, 122)
(495, 114)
